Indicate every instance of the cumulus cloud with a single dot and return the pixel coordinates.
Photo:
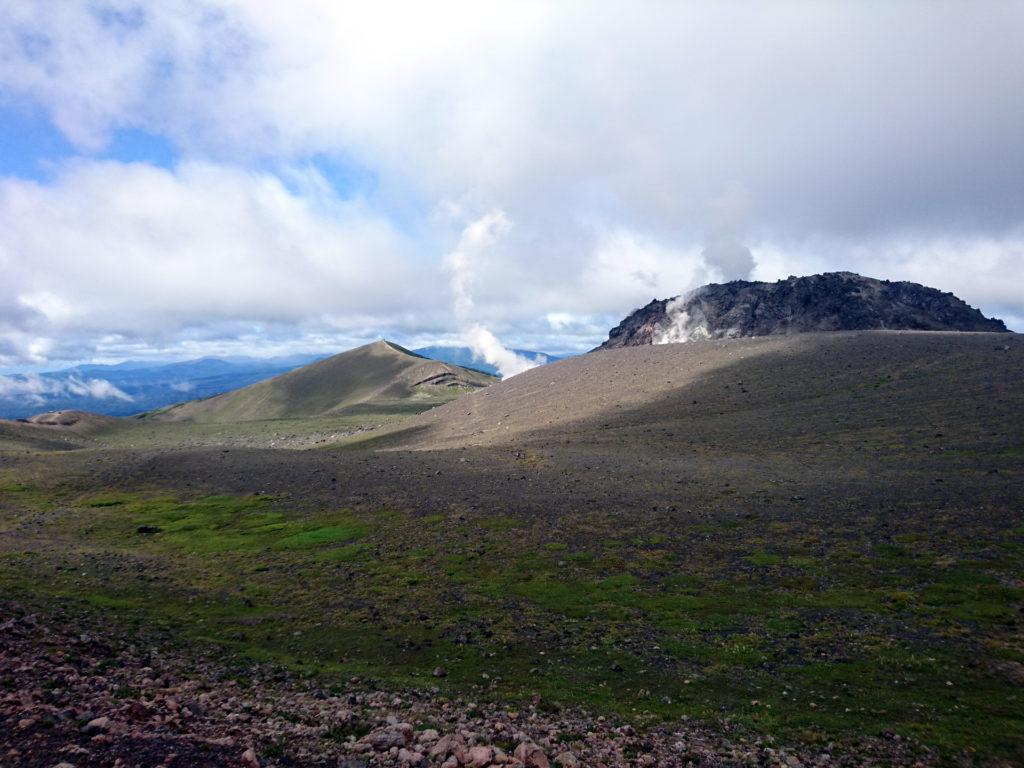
(110, 250)
(830, 119)
(96, 66)
(639, 154)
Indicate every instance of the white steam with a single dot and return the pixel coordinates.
(35, 389)
(725, 254)
(724, 250)
(679, 324)
(478, 236)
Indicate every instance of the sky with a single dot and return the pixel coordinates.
(224, 177)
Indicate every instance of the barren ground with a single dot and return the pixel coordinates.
(813, 544)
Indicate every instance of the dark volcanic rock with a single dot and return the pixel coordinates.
(834, 301)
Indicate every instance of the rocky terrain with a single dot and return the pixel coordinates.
(680, 387)
(74, 694)
(54, 430)
(80, 422)
(834, 301)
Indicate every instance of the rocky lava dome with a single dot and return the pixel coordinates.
(834, 301)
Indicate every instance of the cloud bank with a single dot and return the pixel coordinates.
(36, 389)
(328, 156)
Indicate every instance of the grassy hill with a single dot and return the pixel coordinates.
(378, 375)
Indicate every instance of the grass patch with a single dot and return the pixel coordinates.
(763, 559)
(107, 500)
(318, 537)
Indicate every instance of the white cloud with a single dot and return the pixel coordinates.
(828, 118)
(638, 153)
(123, 251)
(627, 266)
(97, 66)
(560, 320)
(101, 389)
(33, 388)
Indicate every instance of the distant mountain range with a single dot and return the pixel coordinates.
(135, 386)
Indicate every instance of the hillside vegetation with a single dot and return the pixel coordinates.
(381, 373)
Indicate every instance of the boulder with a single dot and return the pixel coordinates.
(531, 756)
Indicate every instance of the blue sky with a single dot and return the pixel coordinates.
(32, 147)
(202, 177)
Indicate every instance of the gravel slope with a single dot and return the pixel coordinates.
(771, 385)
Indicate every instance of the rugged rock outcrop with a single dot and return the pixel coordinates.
(77, 421)
(834, 301)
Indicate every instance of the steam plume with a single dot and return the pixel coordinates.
(724, 253)
(724, 250)
(684, 321)
(476, 238)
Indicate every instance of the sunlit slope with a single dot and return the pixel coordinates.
(379, 374)
(747, 394)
